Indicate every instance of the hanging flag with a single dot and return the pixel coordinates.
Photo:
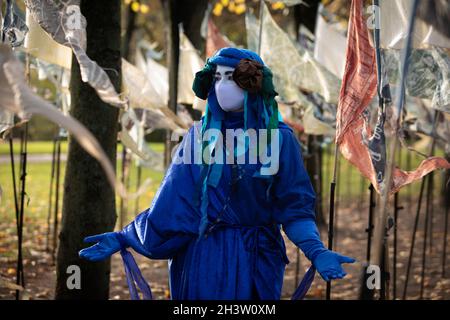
(6, 122)
(293, 67)
(156, 73)
(17, 97)
(142, 94)
(394, 26)
(329, 46)
(419, 120)
(428, 76)
(189, 64)
(429, 73)
(40, 45)
(66, 25)
(215, 40)
(14, 28)
(352, 127)
(132, 136)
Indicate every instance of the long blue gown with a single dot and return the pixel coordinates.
(242, 255)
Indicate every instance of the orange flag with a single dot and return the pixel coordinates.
(359, 86)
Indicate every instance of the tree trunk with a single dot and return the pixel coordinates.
(89, 201)
(173, 57)
(191, 13)
(306, 14)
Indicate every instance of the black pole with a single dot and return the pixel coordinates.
(297, 267)
(13, 173)
(413, 238)
(337, 205)
(56, 209)
(430, 211)
(138, 183)
(425, 231)
(330, 230)
(369, 230)
(365, 292)
(444, 251)
(20, 279)
(397, 208)
(419, 204)
(50, 197)
(123, 177)
(329, 167)
(16, 204)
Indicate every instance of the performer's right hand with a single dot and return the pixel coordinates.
(107, 244)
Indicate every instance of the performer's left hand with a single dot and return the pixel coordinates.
(328, 264)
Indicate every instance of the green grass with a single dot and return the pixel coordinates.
(38, 186)
(46, 147)
(350, 182)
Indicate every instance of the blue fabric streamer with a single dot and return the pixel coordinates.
(134, 277)
(305, 284)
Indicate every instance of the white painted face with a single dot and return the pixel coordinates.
(229, 95)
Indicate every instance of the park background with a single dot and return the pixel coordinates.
(147, 26)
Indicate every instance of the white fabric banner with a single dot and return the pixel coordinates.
(17, 97)
(394, 27)
(190, 63)
(329, 47)
(40, 45)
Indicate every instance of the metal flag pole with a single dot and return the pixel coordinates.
(331, 213)
(337, 203)
(56, 208)
(124, 171)
(419, 205)
(444, 251)
(381, 219)
(397, 208)
(369, 229)
(50, 197)
(425, 232)
(20, 277)
(365, 293)
(13, 173)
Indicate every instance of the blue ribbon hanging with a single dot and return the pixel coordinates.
(305, 284)
(134, 277)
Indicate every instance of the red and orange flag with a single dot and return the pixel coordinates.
(359, 86)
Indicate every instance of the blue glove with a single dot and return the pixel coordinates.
(304, 233)
(328, 264)
(107, 244)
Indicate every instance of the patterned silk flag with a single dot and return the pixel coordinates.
(359, 86)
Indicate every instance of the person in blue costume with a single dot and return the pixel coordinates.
(219, 222)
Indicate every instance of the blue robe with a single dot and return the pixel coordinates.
(242, 255)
